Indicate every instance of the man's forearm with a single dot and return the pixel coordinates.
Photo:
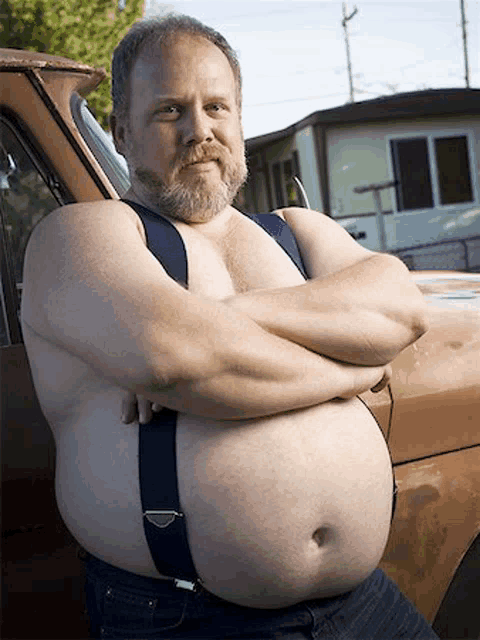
(241, 394)
(234, 369)
(365, 314)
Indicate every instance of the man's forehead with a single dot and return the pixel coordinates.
(186, 48)
(177, 66)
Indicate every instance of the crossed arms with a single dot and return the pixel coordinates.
(92, 288)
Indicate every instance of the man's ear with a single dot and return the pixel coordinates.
(118, 132)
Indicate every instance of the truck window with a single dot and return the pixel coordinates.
(101, 145)
(29, 190)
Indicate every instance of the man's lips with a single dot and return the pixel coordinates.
(200, 163)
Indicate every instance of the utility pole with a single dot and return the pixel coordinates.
(465, 48)
(345, 20)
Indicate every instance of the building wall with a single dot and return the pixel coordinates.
(359, 155)
(305, 144)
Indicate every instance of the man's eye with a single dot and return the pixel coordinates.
(216, 107)
(168, 110)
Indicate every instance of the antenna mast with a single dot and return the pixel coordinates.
(465, 49)
(347, 44)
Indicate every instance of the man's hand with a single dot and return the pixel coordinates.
(378, 386)
(137, 407)
(372, 379)
(384, 381)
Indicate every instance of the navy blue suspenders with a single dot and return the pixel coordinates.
(163, 519)
(281, 232)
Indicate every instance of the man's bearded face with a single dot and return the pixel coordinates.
(184, 142)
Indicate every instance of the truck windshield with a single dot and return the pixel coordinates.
(101, 145)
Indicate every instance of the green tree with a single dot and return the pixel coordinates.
(85, 31)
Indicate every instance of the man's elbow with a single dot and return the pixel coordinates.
(414, 310)
(402, 329)
(420, 323)
(412, 326)
(417, 317)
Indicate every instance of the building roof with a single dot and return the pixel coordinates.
(432, 102)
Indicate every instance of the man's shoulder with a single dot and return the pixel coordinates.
(72, 211)
(308, 221)
(295, 213)
(81, 215)
(84, 230)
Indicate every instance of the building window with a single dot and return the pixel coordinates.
(431, 171)
(277, 183)
(286, 190)
(453, 170)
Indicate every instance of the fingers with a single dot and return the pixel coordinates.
(129, 407)
(387, 374)
(144, 410)
(136, 406)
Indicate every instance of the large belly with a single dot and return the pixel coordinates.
(285, 508)
(279, 510)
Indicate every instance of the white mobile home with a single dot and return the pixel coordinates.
(425, 145)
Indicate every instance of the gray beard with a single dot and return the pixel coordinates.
(192, 202)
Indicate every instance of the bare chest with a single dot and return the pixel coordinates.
(244, 259)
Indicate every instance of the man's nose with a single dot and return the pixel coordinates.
(196, 127)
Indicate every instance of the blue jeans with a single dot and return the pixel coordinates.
(123, 605)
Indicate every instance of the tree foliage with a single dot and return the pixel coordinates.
(84, 30)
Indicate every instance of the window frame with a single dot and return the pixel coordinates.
(430, 137)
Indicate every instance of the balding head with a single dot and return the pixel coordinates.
(151, 34)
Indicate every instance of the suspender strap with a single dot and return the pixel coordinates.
(281, 232)
(164, 242)
(164, 523)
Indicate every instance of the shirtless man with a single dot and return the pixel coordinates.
(284, 477)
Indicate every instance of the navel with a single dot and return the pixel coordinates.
(322, 536)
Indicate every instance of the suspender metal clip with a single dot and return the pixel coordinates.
(186, 584)
(162, 519)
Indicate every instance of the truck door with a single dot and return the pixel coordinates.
(41, 572)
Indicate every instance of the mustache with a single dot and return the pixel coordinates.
(199, 154)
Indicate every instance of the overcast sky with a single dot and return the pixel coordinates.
(293, 54)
